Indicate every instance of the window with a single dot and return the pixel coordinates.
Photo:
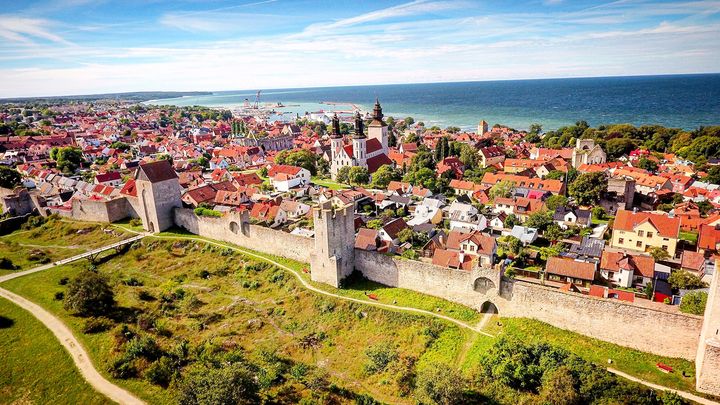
(638, 243)
(665, 247)
(621, 240)
(649, 234)
(641, 233)
(666, 239)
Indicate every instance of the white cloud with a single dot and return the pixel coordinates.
(26, 30)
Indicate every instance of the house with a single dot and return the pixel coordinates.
(477, 244)
(521, 207)
(450, 164)
(626, 270)
(524, 234)
(465, 217)
(294, 209)
(566, 217)
(389, 232)
(286, 177)
(567, 270)
(497, 222)
(452, 259)
(709, 239)
(588, 249)
(112, 179)
(693, 262)
(428, 211)
(524, 184)
(642, 230)
(268, 213)
(367, 239)
(463, 187)
(605, 292)
(491, 156)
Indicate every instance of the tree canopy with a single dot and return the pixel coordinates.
(588, 187)
(89, 294)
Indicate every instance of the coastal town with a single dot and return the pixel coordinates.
(616, 212)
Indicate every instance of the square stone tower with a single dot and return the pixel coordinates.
(707, 362)
(334, 255)
(158, 191)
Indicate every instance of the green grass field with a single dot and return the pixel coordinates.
(329, 183)
(54, 240)
(689, 236)
(29, 351)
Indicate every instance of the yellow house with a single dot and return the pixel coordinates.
(643, 230)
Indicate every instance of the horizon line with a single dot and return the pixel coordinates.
(4, 99)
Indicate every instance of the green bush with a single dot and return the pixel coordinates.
(694, 303)
(142, 346)
(97, 324)
(122, 368)
(161, 372)
(89, 294)
(136, 222)
(232, 384)
(205, 212)
(440, 384)
(379, 356)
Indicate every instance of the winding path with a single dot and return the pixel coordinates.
(77, 352)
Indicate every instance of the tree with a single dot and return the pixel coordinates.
(599, 212)
(342, 174)
(658, 254)
(358, 175)
(392, 139)
(67, 159)
(713, 175)
(617, 147)
(89, 294)
(233, 384)
(409, 121)
(558, 387)
(685, 280)
(539, 220)
(302, 158)
(555, 201)
(553, 233)
(694, 303)
(587, 188)
(439, 384)
(556, 175)
(9, 178)
(647, 164)
(375, 224)
(501, 189)
(405, 235)
(535, 129)
(510, 221)
(384, 175)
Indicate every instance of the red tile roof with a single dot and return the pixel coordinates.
(639, 264)
(666, 226)
(570, 268)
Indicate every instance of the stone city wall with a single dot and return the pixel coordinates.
(95, 210)
(234, 228)
(665, 333)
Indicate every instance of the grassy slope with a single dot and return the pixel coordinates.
(275, 316)
(57, 239)
(29, 350)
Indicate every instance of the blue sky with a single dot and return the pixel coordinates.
(92, 46)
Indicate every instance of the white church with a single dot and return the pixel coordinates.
(369, 151)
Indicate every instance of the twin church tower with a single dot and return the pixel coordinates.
(369, 152)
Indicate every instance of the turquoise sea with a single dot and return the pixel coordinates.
(682, 101)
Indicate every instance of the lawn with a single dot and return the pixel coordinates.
(329, 183)
(29, 350)
(55, 239)
(689, 236)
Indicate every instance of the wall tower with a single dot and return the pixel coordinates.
(158, 191)
(334, 255)
(707, 362)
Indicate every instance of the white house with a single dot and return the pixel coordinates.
(428, 211)
(294, 209)
(285, 177)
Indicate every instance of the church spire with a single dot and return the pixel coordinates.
(359, 131)
(335, 131)
(377, 111)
